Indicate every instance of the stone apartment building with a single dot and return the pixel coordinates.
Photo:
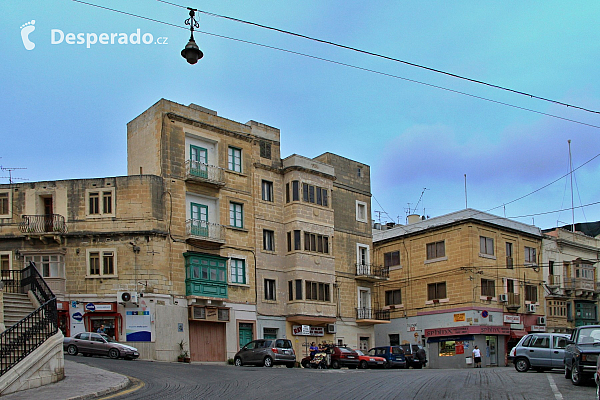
(212, 239)
(459, 280)
(571, 279)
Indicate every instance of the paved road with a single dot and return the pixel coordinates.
(192, 381)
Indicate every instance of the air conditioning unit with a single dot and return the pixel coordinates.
(541, 321)
(503, 298)
(331, 328)
(127, 297)
(530, 308)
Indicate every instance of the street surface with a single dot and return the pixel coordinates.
(193, 381)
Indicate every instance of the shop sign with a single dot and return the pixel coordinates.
(460, 317)
(468, 330)
(512, 319)
(538, 328)
(306, 329)
(77, 316)
(137, 326)
(411, 327)
(312, 331)
(91, 307)
(460, 349)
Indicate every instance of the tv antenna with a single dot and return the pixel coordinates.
(10, 177)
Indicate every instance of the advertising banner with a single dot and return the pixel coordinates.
(137, 326)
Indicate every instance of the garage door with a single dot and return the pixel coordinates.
(207, 341)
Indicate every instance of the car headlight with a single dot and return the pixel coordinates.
(593, 358)
(371, 359)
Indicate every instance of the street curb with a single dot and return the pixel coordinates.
(123, 385)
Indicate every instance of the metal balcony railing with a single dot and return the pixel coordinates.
(372, 271)
(204, 230)
(554, 280)
(369, 313)
(51, 223)
(514, 299)
(208, 173)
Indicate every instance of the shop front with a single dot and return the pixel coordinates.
(453, 347)
(63, 317)
(103, 317)
(305, 330)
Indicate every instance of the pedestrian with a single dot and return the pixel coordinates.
(477, 357)
(313, 349)
(101, 329)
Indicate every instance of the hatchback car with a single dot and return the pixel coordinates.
(91, 343)
(369, 360)
(540, 351)
(342, 356)
(266, 352)
(394, 356)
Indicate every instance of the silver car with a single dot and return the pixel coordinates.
(91, 343)
(540, 351)
(266, 352)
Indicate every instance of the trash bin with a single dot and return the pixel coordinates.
(469, 360)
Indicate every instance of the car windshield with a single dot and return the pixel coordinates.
(360, 353)
(588, 336)
(371, 352)
(345, 349)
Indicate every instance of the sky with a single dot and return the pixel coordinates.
(65, 107)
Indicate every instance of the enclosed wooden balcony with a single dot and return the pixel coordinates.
(196, 171)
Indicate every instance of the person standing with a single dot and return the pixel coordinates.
(313, 349)
(477, 357)
(101, 329)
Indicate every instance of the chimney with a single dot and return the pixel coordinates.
(412, 218)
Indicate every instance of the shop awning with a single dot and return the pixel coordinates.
(517, 334)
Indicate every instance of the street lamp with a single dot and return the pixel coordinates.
(192, 52)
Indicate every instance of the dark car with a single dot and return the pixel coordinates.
(342, 356)
(394, 356)
(581, 354)
(415, 355)
(91, 343)
(266, 352)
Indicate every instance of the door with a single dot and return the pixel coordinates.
(48, 214)
(199, 214)
(245, 334)
(364, 304)
(363, 261)
(363, 344)
(539, 351)
(207, 341)
(558, 351)
(98, 345)
(491, 351)
(199, 161)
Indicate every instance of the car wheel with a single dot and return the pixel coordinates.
(268, 362)
(72, 350)
(113, 353)
(363, 365)
(576, 377)
(567, 372)
(335, 364)
(238, 362)
(387, 365)
(521, 364)
(290, 365)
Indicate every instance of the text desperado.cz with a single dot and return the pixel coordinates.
(57, 37)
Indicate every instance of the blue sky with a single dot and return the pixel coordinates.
(65, 107)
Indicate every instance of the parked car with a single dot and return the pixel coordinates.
(266, 352)
(394, 356)
(581, 354)
(415, 355)
(597, 379)
(91, 343)
(540, 351)
(342, 356)
(369, 360)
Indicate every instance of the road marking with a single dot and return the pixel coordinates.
(136, 385)
(554, 388)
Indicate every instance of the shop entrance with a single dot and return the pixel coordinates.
(107, 323)
(491, 350)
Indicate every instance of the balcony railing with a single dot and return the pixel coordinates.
(554, 280)
(198, 171)
(204, 230)
(51, 223)
(580, 284)
(369, 313)
(372, 271)
(513, 299)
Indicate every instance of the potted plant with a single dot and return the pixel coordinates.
(186, 357)
(182, 351)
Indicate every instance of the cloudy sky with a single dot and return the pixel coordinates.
(65, 107)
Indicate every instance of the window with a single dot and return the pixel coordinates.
(48, 265)
(298, 289)
(102, 263)
(393, 297)
(530, 255)
(236, 215)
(391, 259)
(265, 149)
(436, 291)
(317, 291)
(359, 172)
(290, 290)
(436, 250)
(235, 159)
(297, 245)
(270, 289)
(488, 287)
(509, 255)
(5, 204)
(267, 191)
(394, 339)
(5, 265)
(531, 293)
(268, 240)
(314, 194)
(238, 271)
(100, 202)
(486, 245)
(540, 341)
(361, 211)
(559, 342)
(315, 242)
(295, 191)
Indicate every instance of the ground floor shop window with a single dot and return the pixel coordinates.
(103, 325)
(447, 348)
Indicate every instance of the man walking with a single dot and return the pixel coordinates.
(477, 357)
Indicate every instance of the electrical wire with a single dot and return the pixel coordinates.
(387, 58)
(350, 66)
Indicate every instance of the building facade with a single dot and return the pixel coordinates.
(459, 280)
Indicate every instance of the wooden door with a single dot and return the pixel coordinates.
(207, 341)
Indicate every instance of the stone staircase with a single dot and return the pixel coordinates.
(16, 307)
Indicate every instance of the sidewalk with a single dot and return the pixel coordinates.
(81, 382)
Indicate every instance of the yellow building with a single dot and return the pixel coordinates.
(459, 280)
